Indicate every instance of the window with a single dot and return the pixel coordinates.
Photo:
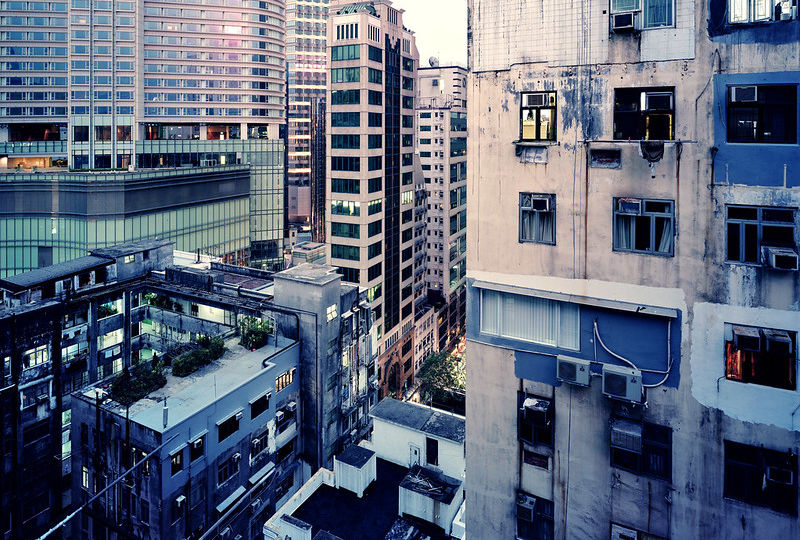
(287, 377)
(229, 426)
(350, 275)
(345, 163)
(375, 54)
(408, 64)
(259, 405)
(761, 356)
(345, 185)
(431, 450)
(374, 184)
(374, 163)
(746, 11)
(346, 141)
(345, 208)
(509, 315)
(534, 518)
(536, 459)
(374, 119)
(762, 114)
(345, 97)
(761, 477)
(345, 119)
(339, 251)
(345, 52)
(657, 13)
(374, 97)
(228, 469)
(374, 272)
(374, 76)
(538, 120)
(375, 141)
(751, 229)
(176, 462)
(535, 419)
(344, 75)
(537, 218)
(644, 114)
(346, 230)
(643, 226)
(259, 444)
(374, 206)
(197, 448)
(373, 250)
(641, 448)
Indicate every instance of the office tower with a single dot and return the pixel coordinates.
(632, 284)
(442, 143)
(306, 57)
(114, 85)
(370, 156)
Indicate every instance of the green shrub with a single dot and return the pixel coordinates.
(254, 332)
(189, 362)
(216, 348)
(136, 382)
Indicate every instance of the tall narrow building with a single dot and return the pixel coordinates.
(442, 143)
(633, 283)
(370, 187)
(306, 54)
(101, 85)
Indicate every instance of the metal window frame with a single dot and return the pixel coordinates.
(652, 216)
(759, 223)
(552, 211)
(523, 108)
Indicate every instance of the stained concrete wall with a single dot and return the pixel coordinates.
(516, 47)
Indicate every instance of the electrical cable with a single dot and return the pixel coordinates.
(666, 372)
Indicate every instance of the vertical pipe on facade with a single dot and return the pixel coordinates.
(586, 211)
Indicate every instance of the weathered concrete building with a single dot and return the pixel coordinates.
(86, 321)
(442, 144)
(632, 287)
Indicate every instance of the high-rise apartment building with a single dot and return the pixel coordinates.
(93, 85)
(306, 57)
(442, 143)
(370, 179)
(632, 280)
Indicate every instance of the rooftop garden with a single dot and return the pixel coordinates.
(209, 349)
(136, 382)
(254, 332)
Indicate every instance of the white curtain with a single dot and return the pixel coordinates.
(665, 242)
(623, 232)
(657, 13)
(537, 226)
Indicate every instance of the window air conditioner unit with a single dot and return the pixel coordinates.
(238, 415)
(525, 506)
(254, 505)
(780, 258)
(538, 99)
(573, 370)
(225, 533)
(623, 383)
(237, 456)
(618, 532)
(623, 22)
(626, 435)
(779, 475)
(537, 410)
(778, 342)
(628, 206)
(291, 406)
(197, 443)
(746, 338)
(255, 441)
(279, 416)
(744, 94)
(179, 500)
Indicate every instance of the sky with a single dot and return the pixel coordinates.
(440, 27)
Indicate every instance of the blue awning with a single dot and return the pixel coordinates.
(232, 498)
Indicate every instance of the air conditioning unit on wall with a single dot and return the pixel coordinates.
(623, 383)
(625, 21)
(573, 370)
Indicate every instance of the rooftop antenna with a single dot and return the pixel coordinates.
(166, 412)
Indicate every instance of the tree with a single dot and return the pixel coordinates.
(440, 375)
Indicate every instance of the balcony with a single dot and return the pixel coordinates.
(26, 148)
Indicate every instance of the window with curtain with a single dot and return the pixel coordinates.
(537, 217)
(658, 13)
(644, 226)
(530, 318)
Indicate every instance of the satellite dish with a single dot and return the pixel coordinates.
(433, 61)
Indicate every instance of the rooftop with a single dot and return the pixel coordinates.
(308, 246)
(120, 250)
(341, 513)
(431, 484)
(319, 274)
(355, 456)
(418, 417)
(63, 270)
(188, 395)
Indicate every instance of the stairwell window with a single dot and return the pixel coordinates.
(644, 226)
(537, 218)
(530, 318)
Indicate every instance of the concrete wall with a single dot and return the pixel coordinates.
(574, 54)
(394, 443)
